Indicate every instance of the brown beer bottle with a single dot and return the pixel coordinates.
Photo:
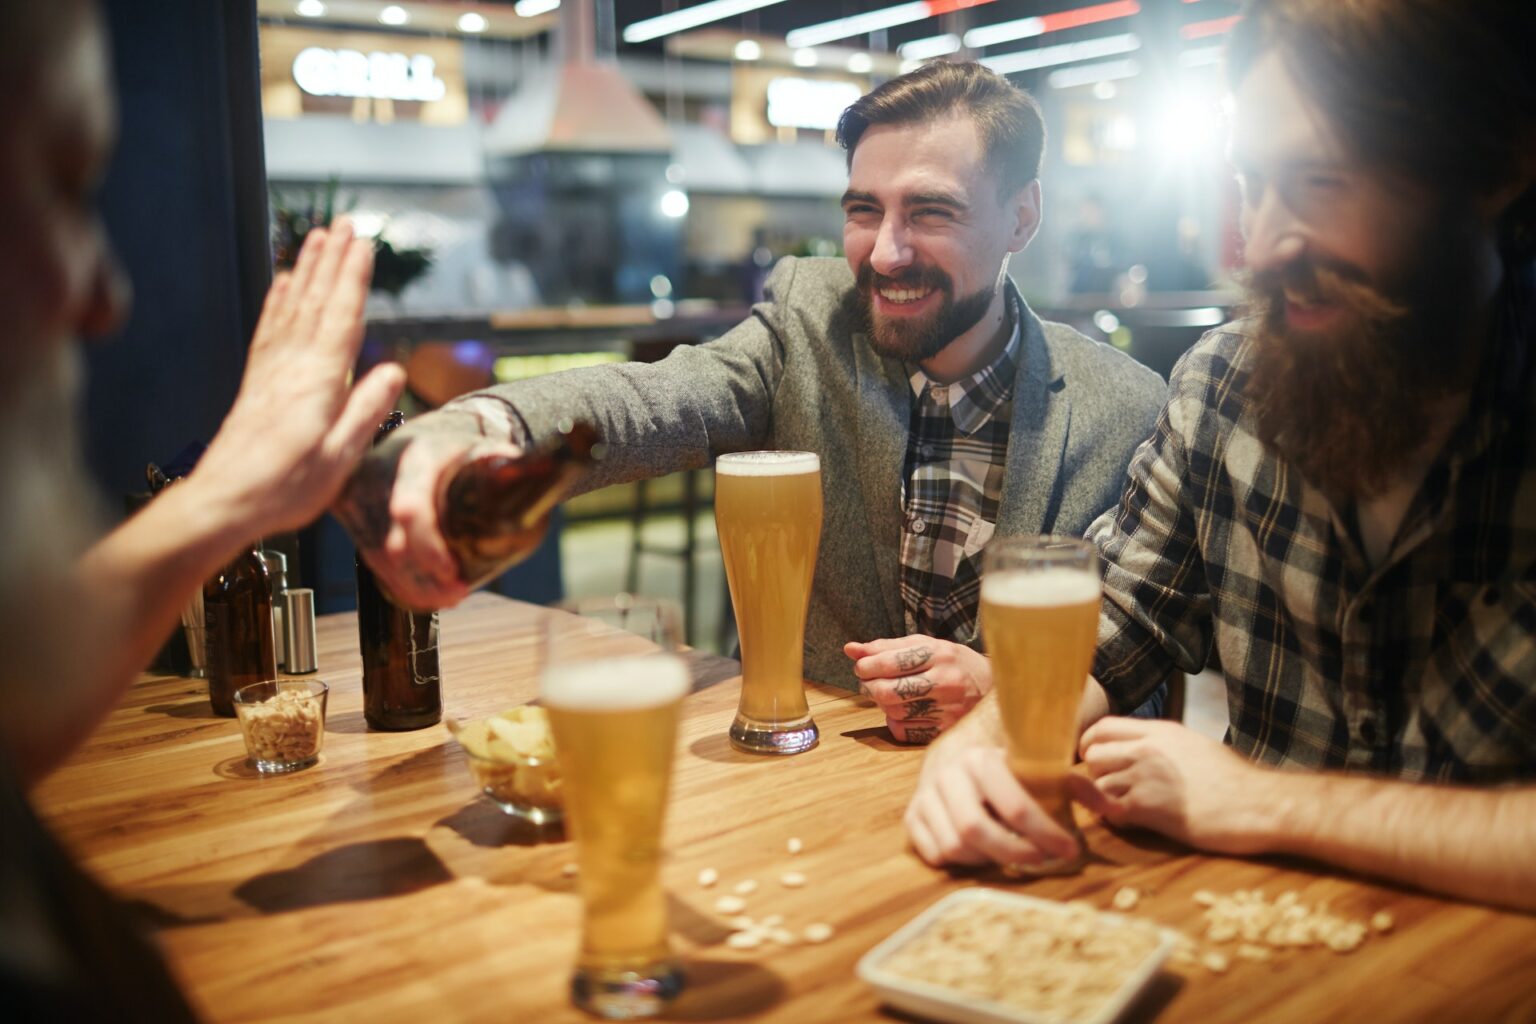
(495, 509)
(401, 686)
(237, 608)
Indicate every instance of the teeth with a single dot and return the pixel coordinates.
(903, 294)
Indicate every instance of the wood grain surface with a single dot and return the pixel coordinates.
(378, 886)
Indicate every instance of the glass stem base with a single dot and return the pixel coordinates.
(755, 738)
(626, 995)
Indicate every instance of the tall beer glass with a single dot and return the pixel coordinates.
(613, 703)
(1040, 618)
(768, 515)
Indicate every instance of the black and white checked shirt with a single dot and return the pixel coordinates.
(1421, 666)
(957, 447)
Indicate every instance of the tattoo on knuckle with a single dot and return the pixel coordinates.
(913, 687)
(913, 658)
(918, 709)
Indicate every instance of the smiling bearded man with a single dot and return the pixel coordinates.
(943, 410)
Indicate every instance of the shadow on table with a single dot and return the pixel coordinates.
(195, 706)
(724, 990)
(420, 764)
(878, 737)
(717, 747)
(484, 824)
(357, 871)
(352, 723)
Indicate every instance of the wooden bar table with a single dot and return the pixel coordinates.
(379, 886)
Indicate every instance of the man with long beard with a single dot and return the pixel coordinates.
(1339, 503)
(76, 622)
(941, 407)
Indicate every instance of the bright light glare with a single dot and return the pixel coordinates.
(311, 9)
(910, 65)
(394, 15)
(470, 21)
(872, 21)
(804, 58)
(1192, 127)
(1062, 53)
(674, 203)
(691, 17)
(1200, 56)
(749, 49)
(534, 8)
(932, 46)
(1089, 74)
(1004, 32)
(861, 63)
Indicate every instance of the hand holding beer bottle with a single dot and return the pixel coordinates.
(438, 509)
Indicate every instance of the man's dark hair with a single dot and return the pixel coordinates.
(1007, 118)
(1438, 92)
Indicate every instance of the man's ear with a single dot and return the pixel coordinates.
(1025, 207)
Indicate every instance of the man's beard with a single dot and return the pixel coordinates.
(1348, 405)
(916, 339)
(49, 513)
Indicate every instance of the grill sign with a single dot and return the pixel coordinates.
(378, 75)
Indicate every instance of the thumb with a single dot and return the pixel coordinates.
(370, 401)
(1082, 790)
(856, 650)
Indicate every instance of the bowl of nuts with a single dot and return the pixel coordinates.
(512, 757)
(283, 721)
(987, 956)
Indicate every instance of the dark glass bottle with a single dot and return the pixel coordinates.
(401, 686)
(237, 609)
(495, 510)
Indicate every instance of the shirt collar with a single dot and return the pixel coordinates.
(974, 400)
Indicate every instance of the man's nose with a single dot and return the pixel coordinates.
(893, 250)
(109, 298)
(1272, 234)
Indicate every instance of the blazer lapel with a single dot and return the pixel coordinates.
(1037, 437)
(885, 411)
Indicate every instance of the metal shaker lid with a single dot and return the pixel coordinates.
(300, 626)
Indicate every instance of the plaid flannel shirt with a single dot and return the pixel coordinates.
(957, 447)
(1422, 666)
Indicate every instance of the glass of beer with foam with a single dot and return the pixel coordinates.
(1040, 620)
(614, 688)
(768, 516)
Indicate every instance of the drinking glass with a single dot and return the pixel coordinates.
(614, 686)
(1040, 618)
(768, 516)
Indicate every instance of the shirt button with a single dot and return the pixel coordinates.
(918, 526)
(925, 450)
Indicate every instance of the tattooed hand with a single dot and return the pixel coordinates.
(390, 504)
(923, 685)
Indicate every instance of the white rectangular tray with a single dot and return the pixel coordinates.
(945, 1004)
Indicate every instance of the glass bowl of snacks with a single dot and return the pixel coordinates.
(512, 757)
(283, 722)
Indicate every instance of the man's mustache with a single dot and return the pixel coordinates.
(918, 277)
(1322, 283)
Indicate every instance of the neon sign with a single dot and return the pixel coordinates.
(378, 75)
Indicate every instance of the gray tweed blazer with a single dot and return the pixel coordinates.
(798, 374)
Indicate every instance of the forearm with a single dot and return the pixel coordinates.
(127, 591)
(1472, 843)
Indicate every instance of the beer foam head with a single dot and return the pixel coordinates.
(768, 463)
(1039, 589)
(616, 684)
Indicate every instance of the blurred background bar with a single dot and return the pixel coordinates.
(557, 183)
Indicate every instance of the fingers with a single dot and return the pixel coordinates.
(369, 403)
(965, 796)
(1106, 756)
(1093, 795)
(415, 558)
(916, 732)
(309, 256)
(932, 833)
(1112, 730)
(891, 658)
(341, 318)
(938, 689)
(327, 264)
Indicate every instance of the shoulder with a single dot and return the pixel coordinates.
(1093, 370)
(812, 298)
(805, 280)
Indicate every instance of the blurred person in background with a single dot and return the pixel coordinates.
(943, 410)
(1340, 498)
(78, 620)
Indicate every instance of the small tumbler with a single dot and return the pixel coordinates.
(283, 721)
